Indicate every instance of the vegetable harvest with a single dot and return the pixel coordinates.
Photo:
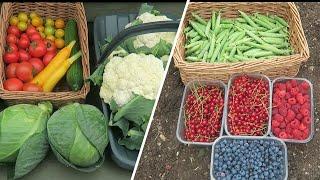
(248, 37)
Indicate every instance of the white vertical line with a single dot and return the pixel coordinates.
(160, 89)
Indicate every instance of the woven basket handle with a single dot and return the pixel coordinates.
(161, 26)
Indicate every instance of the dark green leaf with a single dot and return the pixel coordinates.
(97, 76)
(123, 124)
(113, 106)
(134, 139)
(31, 153)
(93, 125)
(135, 110)
(162, 48)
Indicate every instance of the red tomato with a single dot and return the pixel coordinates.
(51, 47)
(48, 57)
(37, 48)
(35, 36)
(23, 55)
(31, 87)
(11, 55)
(30, 30)
(24, 71)
(14, 30)
(37, 64)
(11, 38)
(24, 35)
(12, 47)
(11, 70)
(24, 42)
(13, 84)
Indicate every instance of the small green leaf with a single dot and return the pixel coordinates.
(113, 106)
(123, 124)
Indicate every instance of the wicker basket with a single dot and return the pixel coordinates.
(54, 10)
(281, 66)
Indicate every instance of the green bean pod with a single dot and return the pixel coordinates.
(197, 28)
(199, 19)
(248, 19)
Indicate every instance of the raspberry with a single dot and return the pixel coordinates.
(278, 117)
(290, 114)
(288, 130)
(297, 133)
(296, 108)
(275, 123)
(289, 85)
(294, 91)
(294, 82)
(292, 101)
(288, 96)
(282, 86)
(300, 98)
(305, 112)
(306, 120)
(295, 124)
(299, 116)
(305, 106)
(305, 85)
(302, 127)
(276, 131)
(283, 111)
(305, 135)
(283, 125)
(281, 94)
(283, 135)
(275, 111)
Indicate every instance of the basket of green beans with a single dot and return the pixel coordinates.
(220, 39)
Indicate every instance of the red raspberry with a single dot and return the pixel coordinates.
(292, 101)
(283, 111)
(282, 86)
(305, 106)
(305, 135)
(295, 124)
(288, 96)
(276, 131)
(306, 97)
(305, 112)
(288, 130)
(275, 123)
(297, 133)
(289, 85)
(283, 135)
(283, 125)
(282, 94)
(299, 116)
(302, 127)
(294, 91)
(300, 98)
(275, 111)
(295, 108)
(278, 117)
(290, 114)
(306, 120)
(305, 85)
(294, 82)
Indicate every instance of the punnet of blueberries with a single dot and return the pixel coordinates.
(248, 159)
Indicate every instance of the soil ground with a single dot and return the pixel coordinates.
(164, 157)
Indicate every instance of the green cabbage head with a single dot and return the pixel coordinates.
(23, 137)
(78, 136)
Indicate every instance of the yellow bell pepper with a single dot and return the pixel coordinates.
(54, 65)
(52, 81)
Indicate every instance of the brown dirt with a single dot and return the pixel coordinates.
(164, 157)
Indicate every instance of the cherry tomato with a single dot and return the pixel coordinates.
(30, 30)
(31, 87)
(11, 55)
(37, 48)
(11, 70)
(37, 64)
(11, 38)
(14, 30)
(24, 42)
(14, 20)
(59, 43)
(13, 84)
(23, 55)
(35, 36)
(48, 57)
(22, 26)
(24, 71)
(51, 47)
(59, 23)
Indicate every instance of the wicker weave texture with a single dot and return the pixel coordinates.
(54, 10)
(280, 66)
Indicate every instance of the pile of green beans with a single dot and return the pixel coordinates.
(248, 37)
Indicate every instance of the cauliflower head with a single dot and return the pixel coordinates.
(124, 77)
(151, 39)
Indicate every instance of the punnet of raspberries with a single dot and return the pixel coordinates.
(248, 106)
(291, 112)
(203, 113)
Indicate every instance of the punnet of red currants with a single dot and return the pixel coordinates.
(203, 113)
(248, 106)
(291, 112)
